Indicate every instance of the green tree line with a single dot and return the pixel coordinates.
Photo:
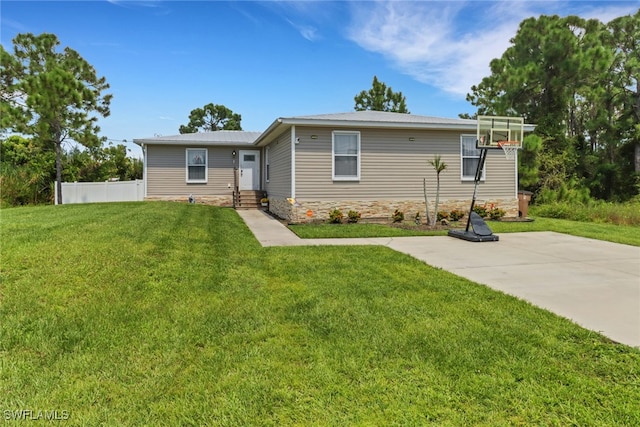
(49, 99)
(28, 168)
(578, 81)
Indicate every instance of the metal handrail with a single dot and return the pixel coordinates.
(236, 190)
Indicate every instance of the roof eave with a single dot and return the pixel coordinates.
(377, 124)
(264, 138)
(283, 123)
(388, 124)
(190, 143)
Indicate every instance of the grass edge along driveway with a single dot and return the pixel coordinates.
(172, 314)
(625, 234)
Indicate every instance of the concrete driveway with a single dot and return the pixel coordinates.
(591, 282)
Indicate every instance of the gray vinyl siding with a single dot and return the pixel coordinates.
(279, 184)
(393, 167)
(166, 171)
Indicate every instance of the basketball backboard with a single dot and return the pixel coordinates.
(493, 131)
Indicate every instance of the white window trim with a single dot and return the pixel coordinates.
(206, 167)
(333, 156)
(462, 157)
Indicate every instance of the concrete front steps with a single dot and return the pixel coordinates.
(246, 199)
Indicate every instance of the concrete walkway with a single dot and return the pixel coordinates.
(591, 282)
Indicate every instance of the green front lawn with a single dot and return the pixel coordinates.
(173, 314)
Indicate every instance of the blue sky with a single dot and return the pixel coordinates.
(277, 59)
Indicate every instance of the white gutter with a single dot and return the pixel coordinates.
(271, 128)
(381, 124)
(447, 124)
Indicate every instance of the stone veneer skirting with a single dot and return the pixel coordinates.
(374, 210)
(314, 211)
(205, 200)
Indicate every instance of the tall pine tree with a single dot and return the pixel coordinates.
(381, 98)
(577, 80)
(53, 95)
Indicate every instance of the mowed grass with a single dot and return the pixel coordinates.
(170, 314)
(626, 234)
(361, 229)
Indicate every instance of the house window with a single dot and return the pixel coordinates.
(266, 164)
(346, 156)
(470, 156)
(196, 165)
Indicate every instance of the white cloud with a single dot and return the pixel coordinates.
(303, 16)
(450, 44)
(307, 31)
(134, 3)
(159, 7)
(436, 42)
(610, 11)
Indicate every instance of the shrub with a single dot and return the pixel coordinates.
(496, 213)
(556, 210)
(335, 216)
(456, 215)
(353, 216)
(568, 192)
(480, 210)
(398, 216)
(443, 215)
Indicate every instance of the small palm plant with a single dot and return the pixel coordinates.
(439, 166)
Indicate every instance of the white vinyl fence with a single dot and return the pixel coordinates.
(94, 192)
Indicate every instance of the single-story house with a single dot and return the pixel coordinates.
(369, 161)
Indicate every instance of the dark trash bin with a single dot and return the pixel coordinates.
(523, 203)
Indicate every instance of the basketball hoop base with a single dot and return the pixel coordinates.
(480, 233)
(470, 236)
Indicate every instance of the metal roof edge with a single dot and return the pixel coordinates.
(378, 124)
(277, 123)
(219, 138)
(143, 141)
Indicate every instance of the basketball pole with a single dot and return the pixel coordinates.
(483, 156)
(493, 132)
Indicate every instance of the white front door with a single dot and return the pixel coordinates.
(249, 170)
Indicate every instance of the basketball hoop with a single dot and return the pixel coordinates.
(510, 148)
